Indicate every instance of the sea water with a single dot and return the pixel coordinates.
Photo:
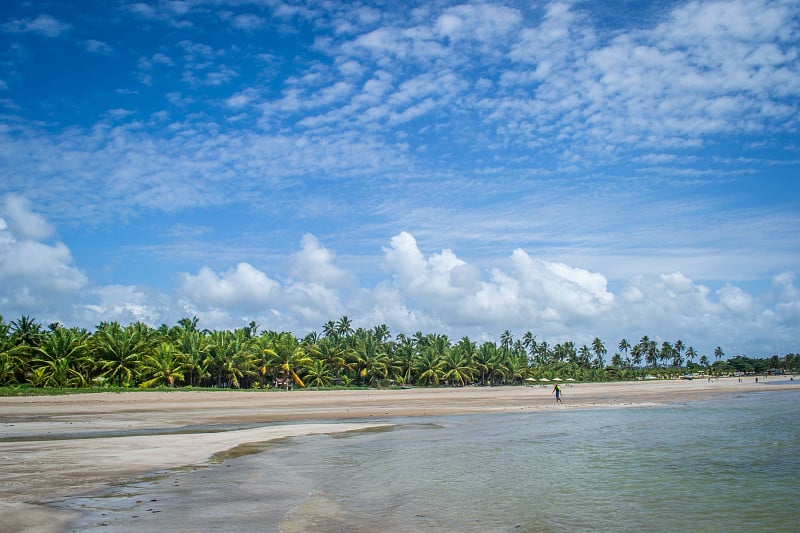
(722, 465)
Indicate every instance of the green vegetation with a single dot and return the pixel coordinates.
(117, 358)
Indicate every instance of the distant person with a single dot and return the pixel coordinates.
(557, 391)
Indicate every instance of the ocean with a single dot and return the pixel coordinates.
(729, 465)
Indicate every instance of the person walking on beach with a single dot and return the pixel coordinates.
(557, 390)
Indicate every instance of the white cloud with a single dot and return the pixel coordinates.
(247, 22)
(25, 223)
(484, 22)
(241, 99)
(527, 292)
(46, 25)
(314, 263)
(35, 277)
(243, 287)
(126, 304)
(99, 47)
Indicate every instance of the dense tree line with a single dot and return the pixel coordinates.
(138, 355)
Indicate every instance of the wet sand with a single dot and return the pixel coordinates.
(54, 447)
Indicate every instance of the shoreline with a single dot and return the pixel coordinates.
(54, 447)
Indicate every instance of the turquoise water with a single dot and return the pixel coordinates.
(723, 465)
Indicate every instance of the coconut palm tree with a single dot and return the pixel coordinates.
(62, 355)
(344, 327)
(543, 354)
(163, 366)
(624, 346)
(515, 365)
(230, 356)
(318, 374)
(483, 359)
(718, 353)
(119, 351)
(428, 366)
(599, 350)
(456, 367)
(291, 358)
(505, 340)
(690, 354)
(193, 347)
(371, 359)
(666, 353)
(403, 357)
(334, 355)
(329, 329)
(26, 331)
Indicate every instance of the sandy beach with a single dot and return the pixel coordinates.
(53, 447)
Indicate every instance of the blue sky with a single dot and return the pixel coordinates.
(564, 168)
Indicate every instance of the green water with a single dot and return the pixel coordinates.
(726, 465)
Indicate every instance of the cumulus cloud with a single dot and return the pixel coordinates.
(242, 287)
(126, 304)
(528, 291)
(315, 263)
(35, 276)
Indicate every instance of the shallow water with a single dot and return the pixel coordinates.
(722, 465)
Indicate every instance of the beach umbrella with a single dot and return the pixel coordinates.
(570, 379)
(544, 379)
(556, 379)
(530, 379)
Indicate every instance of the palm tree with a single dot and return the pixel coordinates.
(119, 351)
(679, 347)
(62, 355)
(370, 358)
(403, 359)
(193, 347)
(515, 365)
(666, 353)
(529, 342)
(381, 333)
(624, 346)
(690, 354)
(543, 354)
(584, 356)
(230, 356)
(599, 350)
(456, 367)
(188, 324)
(649, 350)
(344, 327)
(718, 353)
(335, 357)
(484, 357)
(505, 340)
(26, 331)
(329, 328)
(636, 355)
(428, 365)
(318, 374)
(291, 357)
(163, 366)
